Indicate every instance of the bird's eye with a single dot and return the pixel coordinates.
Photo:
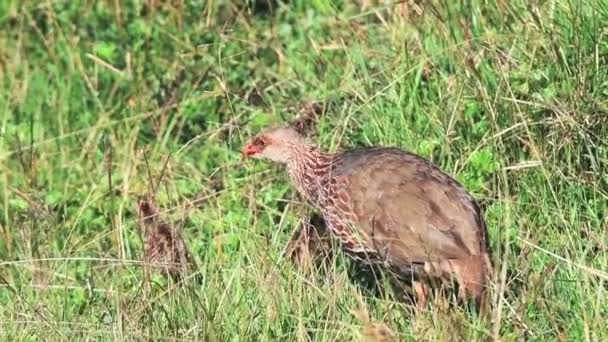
(259, 142)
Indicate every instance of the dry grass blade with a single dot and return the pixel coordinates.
(590, 270)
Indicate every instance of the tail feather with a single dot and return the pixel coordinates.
(474, 275)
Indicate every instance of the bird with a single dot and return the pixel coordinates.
(388, 207)
(308, 116)
(309, 244)
(164, 248)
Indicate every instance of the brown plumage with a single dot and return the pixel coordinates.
(307, 118)
(164, 247)
(389, 207)
(310, 242)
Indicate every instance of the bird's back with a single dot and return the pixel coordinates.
(412, 210)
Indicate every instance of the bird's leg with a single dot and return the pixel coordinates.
(297, 247)
(421, 291)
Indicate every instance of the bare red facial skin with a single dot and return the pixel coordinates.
(256, 146)
(249, 150)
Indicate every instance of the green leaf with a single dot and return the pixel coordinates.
(484, 160)
(53, 197)
(105, 50)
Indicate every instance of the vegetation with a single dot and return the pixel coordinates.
(99, 100)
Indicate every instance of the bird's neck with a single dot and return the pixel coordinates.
(308, 170)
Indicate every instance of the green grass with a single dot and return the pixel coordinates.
(511, 99)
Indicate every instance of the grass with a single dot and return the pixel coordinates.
(511, 98)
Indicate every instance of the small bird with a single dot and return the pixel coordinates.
(306, 120)
(309, 245)
(388, 207)
(165, 249)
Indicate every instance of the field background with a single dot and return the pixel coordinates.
(511, 98)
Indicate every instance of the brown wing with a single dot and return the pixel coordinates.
(411, 211)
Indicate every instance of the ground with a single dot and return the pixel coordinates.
(102, 102)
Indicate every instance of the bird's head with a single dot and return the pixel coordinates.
(276, 144)
(146, 209)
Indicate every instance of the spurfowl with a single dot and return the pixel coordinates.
(165, 249)
(390, 208)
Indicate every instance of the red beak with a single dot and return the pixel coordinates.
(249, 150)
